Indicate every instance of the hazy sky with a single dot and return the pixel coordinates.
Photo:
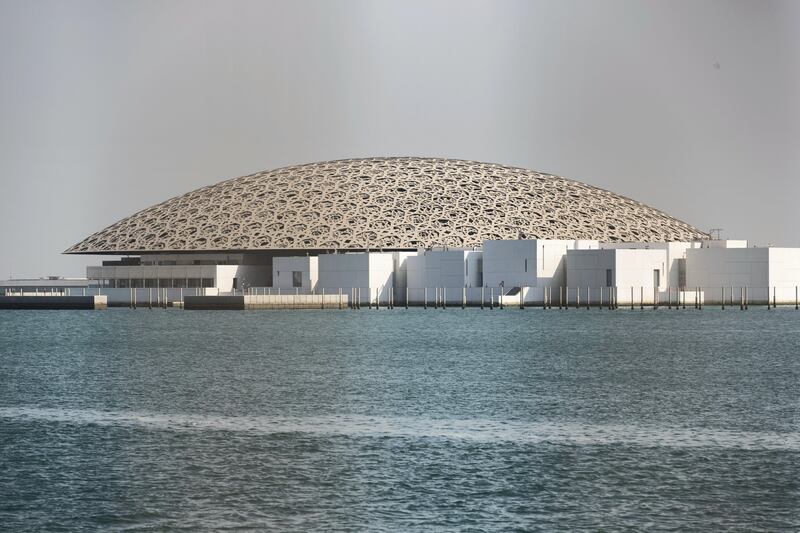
(109, 107)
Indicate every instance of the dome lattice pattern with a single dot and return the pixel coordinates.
(388, 203)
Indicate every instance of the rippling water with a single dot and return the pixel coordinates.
(400, 420)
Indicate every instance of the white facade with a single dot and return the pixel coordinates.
(723, 243)
(739, 267)
(223, 271)
(401, 263)
(371, 272)
(150, 276)
(764, 273)
(226, 278)
(295, 273)
(528, 263)
(454, 272)
(675, 264)
(520, 270)
(634, 273)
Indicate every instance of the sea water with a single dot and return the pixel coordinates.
(397, 420)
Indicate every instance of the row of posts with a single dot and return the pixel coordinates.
(158, 298)
(437, 298)
(608, 300)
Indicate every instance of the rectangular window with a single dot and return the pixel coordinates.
(164, 282)
(123, 284)
(297, 278)
(609, 278)
(178, 283)
(194, 283)
(208, 282)
(526, 265)
(656, 277)
(150, 283)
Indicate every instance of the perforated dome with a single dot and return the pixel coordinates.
(384, 203)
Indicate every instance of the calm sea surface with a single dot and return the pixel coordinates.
(400, 420)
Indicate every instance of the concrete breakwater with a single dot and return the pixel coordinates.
(284, 301)
(54, 302)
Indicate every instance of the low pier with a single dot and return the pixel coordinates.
(54, 302)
